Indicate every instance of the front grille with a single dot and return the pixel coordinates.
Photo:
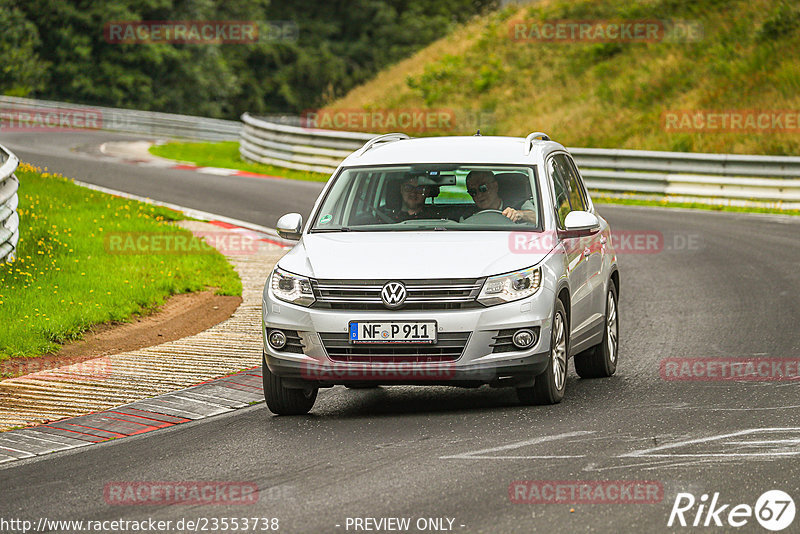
(430, 294)
(448, 348)
(502, 341)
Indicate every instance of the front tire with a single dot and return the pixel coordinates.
(601, 360)
(282, 400)
(549, 387)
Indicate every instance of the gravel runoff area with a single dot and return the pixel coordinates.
(115, 380)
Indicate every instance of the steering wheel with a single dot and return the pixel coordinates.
(479, 214)
(381, 215)
(487, 211)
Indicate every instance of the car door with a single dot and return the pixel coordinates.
(566, 201)
(594, 244)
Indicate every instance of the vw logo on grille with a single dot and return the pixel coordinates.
(393, 294)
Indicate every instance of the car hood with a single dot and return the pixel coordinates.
(408, 255)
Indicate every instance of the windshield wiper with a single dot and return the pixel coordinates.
(329, 230)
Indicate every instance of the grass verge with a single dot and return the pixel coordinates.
(666, 203)
(225, 155)
(66, 276)
(609, 94)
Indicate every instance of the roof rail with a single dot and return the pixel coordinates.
(386, 138)
(531, 138)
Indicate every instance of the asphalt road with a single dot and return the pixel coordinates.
(77, 155)
(724, 286)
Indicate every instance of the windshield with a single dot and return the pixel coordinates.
(431, 197)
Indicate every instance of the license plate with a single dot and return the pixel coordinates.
(393, 332)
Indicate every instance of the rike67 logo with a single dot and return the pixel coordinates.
(774, 510)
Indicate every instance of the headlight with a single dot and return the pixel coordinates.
(292, 288)
(511, 286)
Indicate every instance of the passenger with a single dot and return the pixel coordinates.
(413, 205)
(483, 188)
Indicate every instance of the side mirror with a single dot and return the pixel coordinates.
(581, 224)
(290, 226)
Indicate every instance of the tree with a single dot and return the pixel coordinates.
(22, 70)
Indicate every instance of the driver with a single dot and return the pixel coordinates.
(482, 187)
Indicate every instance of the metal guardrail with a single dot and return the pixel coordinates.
(116, 119)
(765, 180)
(295, 147)
(720, 178)
(9, 200)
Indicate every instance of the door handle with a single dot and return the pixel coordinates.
(603, 240)
(586, 252)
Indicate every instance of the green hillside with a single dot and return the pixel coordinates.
(612, 94)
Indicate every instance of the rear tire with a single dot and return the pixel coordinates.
(549, 386)
(600, 361)
(285, 401)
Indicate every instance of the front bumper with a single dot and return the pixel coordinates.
(519, 372)
(477, 364)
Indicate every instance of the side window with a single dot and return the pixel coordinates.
(578, 186)
(567, 186)
(557, 173)
(573, 186)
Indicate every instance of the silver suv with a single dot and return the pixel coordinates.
(456, 261)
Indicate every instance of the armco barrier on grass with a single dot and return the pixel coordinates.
(128, 120)
(767, 181)
(9, 218)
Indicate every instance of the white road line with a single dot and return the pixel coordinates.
(792, 407)
(670, 464)
(766, 442)
(217, 171)
(650, 463)
(196, 214)
(652, 451)
(724, 455)
(482, 454)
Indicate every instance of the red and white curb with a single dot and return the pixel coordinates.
(218, 171)
(210, 398)
(137, 153)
